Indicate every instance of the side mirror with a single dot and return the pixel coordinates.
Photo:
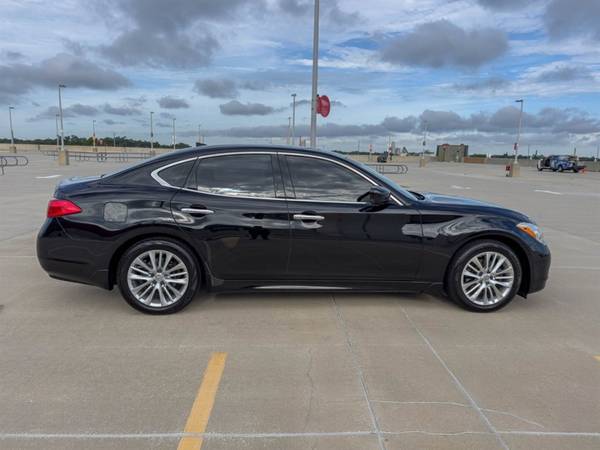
(378, 196)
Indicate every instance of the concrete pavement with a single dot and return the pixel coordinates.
(81, 369)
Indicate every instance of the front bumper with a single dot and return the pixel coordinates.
(539, 267)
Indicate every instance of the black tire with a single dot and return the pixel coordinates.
(561, 168)
(461, 259)
(172, 247)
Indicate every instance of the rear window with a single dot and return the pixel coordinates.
(177, 175)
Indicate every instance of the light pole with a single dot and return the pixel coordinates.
(57, 134)
(114, 140)
(293, 118)
(315, 79)
(151, 132)
(422, 160)
(519, 131)
(289, 135)
(174, 138)
(94, 134)
(12, 134)
(199, 135)
(63, 160)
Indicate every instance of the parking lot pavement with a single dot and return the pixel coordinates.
(81, 369)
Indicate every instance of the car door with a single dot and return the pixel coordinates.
(234, 211)
(337, 237)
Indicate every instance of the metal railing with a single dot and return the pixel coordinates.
(12, 161)
(101, 156)
(384, 168)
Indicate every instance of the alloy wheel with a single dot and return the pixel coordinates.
(487, 278)
(157, 278)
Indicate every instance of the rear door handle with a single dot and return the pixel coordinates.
(197, 211)
(308, 217)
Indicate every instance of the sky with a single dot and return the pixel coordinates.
(392, 68)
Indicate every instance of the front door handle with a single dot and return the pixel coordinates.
(197, 211)
(308, 217)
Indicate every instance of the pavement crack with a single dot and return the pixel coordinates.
(458, 383)
(361, 376)
(312, 389)
(530, 422)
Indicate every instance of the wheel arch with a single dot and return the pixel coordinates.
(507, 240)
(114, 260)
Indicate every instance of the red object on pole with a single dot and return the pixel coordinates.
(323, 105)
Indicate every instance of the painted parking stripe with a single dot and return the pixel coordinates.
(543, 191)
(48, 176)
(597, 357)
(203, 404)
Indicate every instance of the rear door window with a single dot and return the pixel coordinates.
(242, 175)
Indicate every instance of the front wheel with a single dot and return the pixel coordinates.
(158, 276)
(485, 276)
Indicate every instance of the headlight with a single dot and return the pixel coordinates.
(532, 230)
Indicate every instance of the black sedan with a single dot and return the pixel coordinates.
(227, 218)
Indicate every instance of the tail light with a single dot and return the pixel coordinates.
(59, 208)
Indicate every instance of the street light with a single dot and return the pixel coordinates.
(199, 135)
(289, 135)
(519, 131)
(315, 78)
(94, 133)
(60, 111)
(174, 138)
(293, 118)
(12, 134)
(424, 142)
(151, 132)
(57, 134)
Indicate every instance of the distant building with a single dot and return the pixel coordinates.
(452, 153)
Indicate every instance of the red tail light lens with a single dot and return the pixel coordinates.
(59, 208)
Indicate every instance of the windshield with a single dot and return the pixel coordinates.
(385, 179)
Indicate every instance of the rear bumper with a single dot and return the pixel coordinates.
(69, 259)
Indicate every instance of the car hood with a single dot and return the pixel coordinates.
(455, 200)
(472, 204)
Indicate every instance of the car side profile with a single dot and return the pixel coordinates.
(229, 218)
(559, 163)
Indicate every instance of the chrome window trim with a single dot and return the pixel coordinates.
(155, 174)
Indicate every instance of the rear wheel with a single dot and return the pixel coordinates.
(158, 276)
(485, 276)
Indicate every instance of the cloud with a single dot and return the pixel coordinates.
(121, 110)
(113, 122)
(169, 102)
(330, 12)
(161, 50)
(17, 79)
(564, 73)
(306, 102)
(439, 44)
(166, 115)
(502, 4)
(500, 124)
(566, 18)
(216, 88)
(76, 110)
(400, 125)
(486, 84)
(235, 108)
(12, 55)
(170, 33)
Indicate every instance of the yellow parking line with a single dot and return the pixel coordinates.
(597, 357)
(203, 404)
